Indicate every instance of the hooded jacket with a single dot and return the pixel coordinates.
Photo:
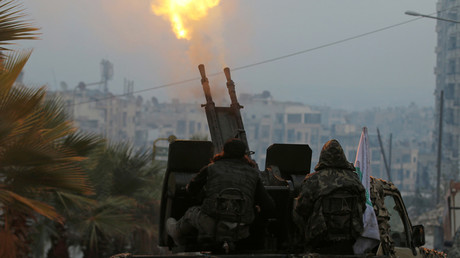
(231, 173)
(333, 172)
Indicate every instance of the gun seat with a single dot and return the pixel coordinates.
(292, 160)
(185, 158)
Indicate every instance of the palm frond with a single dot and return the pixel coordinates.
(12, 23)
(71, 201)
(83, 143)
(111, 217)
(55, 111)
(63, 177)
(12, 67)
(17, 109)
(10, 199)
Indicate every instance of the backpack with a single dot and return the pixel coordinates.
(230, 205)
(338, 211)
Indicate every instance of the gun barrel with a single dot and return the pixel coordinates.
(202, 72)
(205, 83)
(227, 74)
(231, 89)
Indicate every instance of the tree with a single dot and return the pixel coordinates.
(40, 154)
(127, 186)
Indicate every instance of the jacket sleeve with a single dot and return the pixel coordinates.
(304, 204)
(198, 181)
(263, 199)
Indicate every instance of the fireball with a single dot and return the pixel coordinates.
(182, 12)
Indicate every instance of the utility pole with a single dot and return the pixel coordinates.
(389, 152)
(383, 154)
(438, 165)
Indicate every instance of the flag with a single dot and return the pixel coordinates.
(370, 236)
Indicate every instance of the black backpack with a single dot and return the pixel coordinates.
(338, 210)
(230, 205)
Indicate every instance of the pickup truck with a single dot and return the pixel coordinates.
(278, 236)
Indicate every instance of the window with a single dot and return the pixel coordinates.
(278, 136)
(406, 158)
(312, 118)
(191, 127)
(406, 173)
(449, 116)
(291, 135)
(180, 130)
(280, 118)
(294, 118)
(397, 228)
(315, 136)
(400, 175)
(265, 131)
(451, 67)
(449, 91)
(452, 44)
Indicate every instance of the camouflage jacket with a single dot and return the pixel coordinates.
(333, 172)
(231, 173)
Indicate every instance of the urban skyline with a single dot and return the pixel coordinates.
(390, 67)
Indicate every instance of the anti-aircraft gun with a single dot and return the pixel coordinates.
(286, 166)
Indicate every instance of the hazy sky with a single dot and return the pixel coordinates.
(389, 68)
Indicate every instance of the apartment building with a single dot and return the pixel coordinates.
(183, 120)
(116, 118)
(447, 73)
(267, 121)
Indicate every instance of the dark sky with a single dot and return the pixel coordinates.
(393, 67)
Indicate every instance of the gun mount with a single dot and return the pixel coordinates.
(286, 165)
(224, 122)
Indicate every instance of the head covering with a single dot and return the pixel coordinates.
(234, 148)
(332, 156)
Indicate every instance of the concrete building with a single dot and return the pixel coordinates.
(183, 120)
(267, 121)
(116, 118)
(447, 73)
(404, 168)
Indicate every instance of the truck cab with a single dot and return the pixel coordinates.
(399, 238)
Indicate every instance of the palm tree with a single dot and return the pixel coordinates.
(40, 154)
(42, 173)
(40, 158)
(127, 186)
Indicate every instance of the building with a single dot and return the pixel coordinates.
(267, 121)
(98, 112)
(447, 73)
(183, 120)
